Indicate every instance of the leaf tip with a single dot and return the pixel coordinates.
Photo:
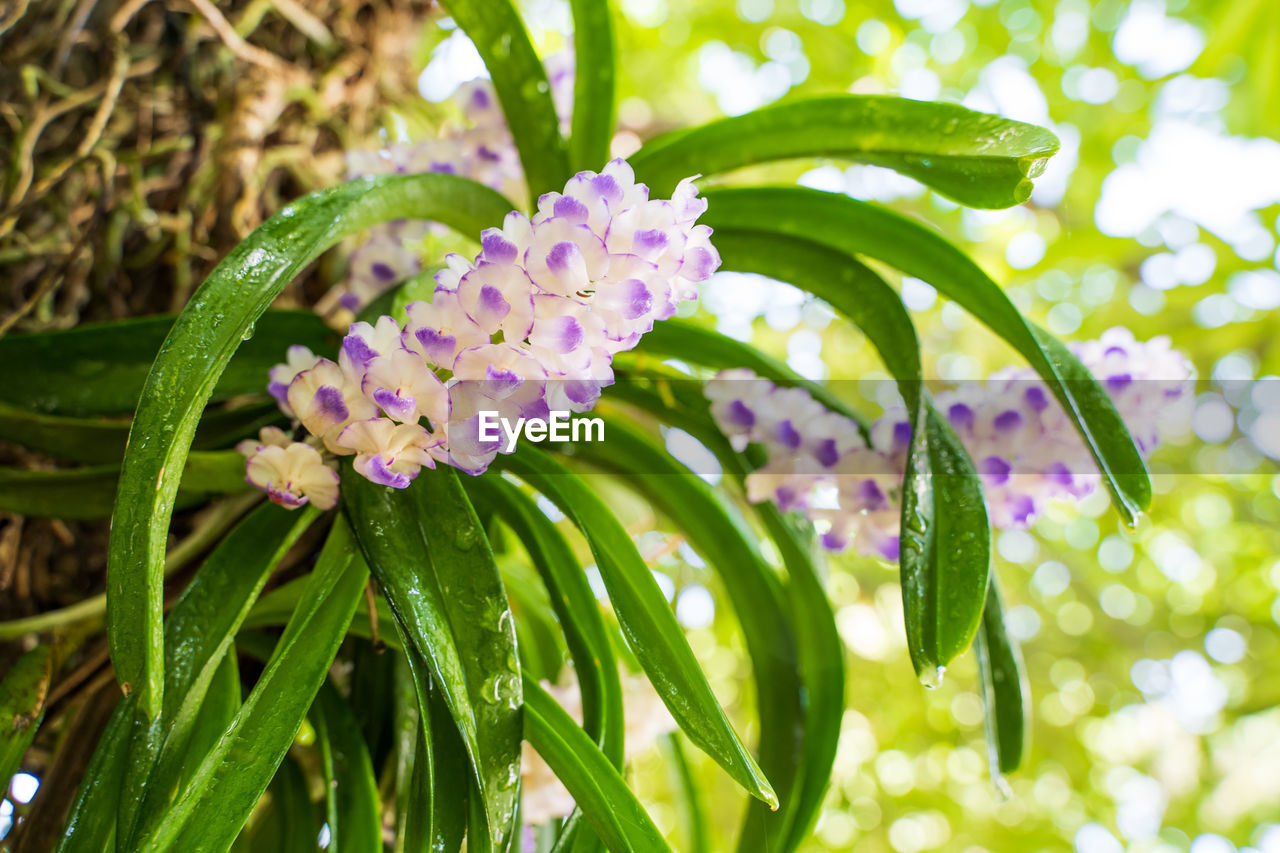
(931, 677)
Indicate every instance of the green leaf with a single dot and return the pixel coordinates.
(720, 535)
(199, 634)
(287, 823)
(1006, 695)
(693, 807)
(449, 795)
(432, 560)
(373, 676)
(75, 439)
(945, 555)
(87, 493)
(433, 773)
(945, 550)
(99, 369)
(538, 636)
(822, 670)
(211, 810)
(594, 663)
(521, 83)
(412, 800)
(420, 806)
(275, 606)
(415, 802)
(608, 804)
(818, 643)
(595, 70)
(976, 159)
(196, 352)
(646, 619)
(92, 821)
(94, 439)
(218, 709)
(22, 697)
(351, 791)
(857, 227)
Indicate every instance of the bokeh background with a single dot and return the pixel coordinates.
(1154, 653)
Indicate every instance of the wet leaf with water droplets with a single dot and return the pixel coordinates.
(979, 160)
(1006, 694)
(944, 539)
(433, 563)
(646, 619)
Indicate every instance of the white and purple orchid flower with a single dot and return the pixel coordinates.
(292, 473)
(530, 326)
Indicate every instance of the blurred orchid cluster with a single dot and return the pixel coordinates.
(480, 148)
(1023, 444)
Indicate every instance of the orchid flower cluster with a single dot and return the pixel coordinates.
(1023, 444)
(483, 150)
(529, 327)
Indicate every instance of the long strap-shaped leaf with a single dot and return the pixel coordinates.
(199, 633)
(206, 617)
(610, 807)
(22, 697)
(433, 562)
(979, 160)
(646, 619)
(351, 792)
(99, 369)
(288, 822)
(86, 493)
(222, 793)
(521, 83)
(91, 823)
(1005, 692)
(822, 666)
(595, 70)
(721, 536)
(945, 543)
(594, 663)
(428, 808)
(94, 439)
(866, 229)
(818, 643)
(221, 703)
(199, 347)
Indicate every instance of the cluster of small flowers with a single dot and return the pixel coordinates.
(1024, 446)
(543, 796)
(483, 150)
(818, 462)
(529, 327)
